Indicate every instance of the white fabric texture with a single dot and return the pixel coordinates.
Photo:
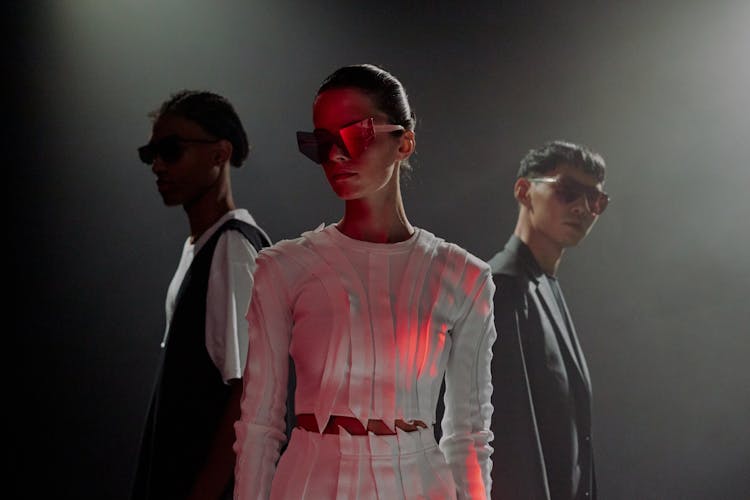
(407, 465)
(371, 328)
(230, 286)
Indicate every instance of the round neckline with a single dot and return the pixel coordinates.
(370, 246)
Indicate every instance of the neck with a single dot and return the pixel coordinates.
(547, 254)
(379, 220)
(211, 206)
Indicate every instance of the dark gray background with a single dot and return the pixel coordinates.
(658, 290)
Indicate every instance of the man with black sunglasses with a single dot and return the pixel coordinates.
(542, 390)
(186, 448)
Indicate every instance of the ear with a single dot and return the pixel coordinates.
(521, 192)
(222, 153)
(406, 145)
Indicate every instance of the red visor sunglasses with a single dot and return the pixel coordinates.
(352, 140)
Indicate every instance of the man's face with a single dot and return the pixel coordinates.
(183, 180)
(555, 213)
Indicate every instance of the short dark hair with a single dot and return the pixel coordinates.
(214, 113)
(554, 153)
(385, 90)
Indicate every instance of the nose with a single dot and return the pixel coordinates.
(337, 154)
(581, 207)
(158, 165)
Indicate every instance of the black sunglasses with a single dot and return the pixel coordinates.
(169, 149)
(569, 191)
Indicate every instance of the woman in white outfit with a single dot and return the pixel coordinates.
(374, 312)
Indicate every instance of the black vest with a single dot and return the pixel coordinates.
(189, 396)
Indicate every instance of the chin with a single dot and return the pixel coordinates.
(573, 242)
(171, 201)
(346, 193)
(348, 196)
(573, 237)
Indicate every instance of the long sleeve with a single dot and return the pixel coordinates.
(468, 407)
(260, 430)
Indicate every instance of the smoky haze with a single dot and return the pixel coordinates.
(657, 290)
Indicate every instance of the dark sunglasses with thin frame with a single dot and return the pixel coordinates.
(169, 149)
(568, 191)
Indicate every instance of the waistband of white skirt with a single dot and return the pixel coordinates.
(402, 443)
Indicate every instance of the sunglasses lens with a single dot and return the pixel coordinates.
(169, 149)
(570, 191)
(352, 141)
(598, 202)
(326, 141)
(569, 194)
(308, 145)
(358, 137)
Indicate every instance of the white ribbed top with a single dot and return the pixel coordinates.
(372, 329)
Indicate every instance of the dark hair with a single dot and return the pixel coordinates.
(386, 92)
(554, 153)
(382, 87)
(214, 113)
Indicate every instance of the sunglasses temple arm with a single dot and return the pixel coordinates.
(387, 128)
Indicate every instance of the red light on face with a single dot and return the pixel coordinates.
(358, 137)
(353, 140)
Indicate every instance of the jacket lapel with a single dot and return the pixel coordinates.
(550, 306)
(547, 298)
(577, 346)
(516, 251)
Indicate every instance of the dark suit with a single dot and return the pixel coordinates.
(542, 391)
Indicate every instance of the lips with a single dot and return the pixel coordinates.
(163, 185)
(575, 225)
(342, 175)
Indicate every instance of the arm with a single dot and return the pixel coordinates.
(229, 287)
(230, 284)
(216, 475)
(260, 429)
(468, 389)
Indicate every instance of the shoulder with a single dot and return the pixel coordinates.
(462, 274)
(507, 270)
(506, 262)
(239, 224)
(233, 247)
(454, 255)
(511, 281)
(239, 237)
(287, 252)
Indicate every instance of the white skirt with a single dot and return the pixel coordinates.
(407, 466)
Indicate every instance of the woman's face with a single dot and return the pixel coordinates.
(375, 172)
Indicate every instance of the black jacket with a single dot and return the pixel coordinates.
(542, 390)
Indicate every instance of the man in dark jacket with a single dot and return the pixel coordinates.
(542, 390)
